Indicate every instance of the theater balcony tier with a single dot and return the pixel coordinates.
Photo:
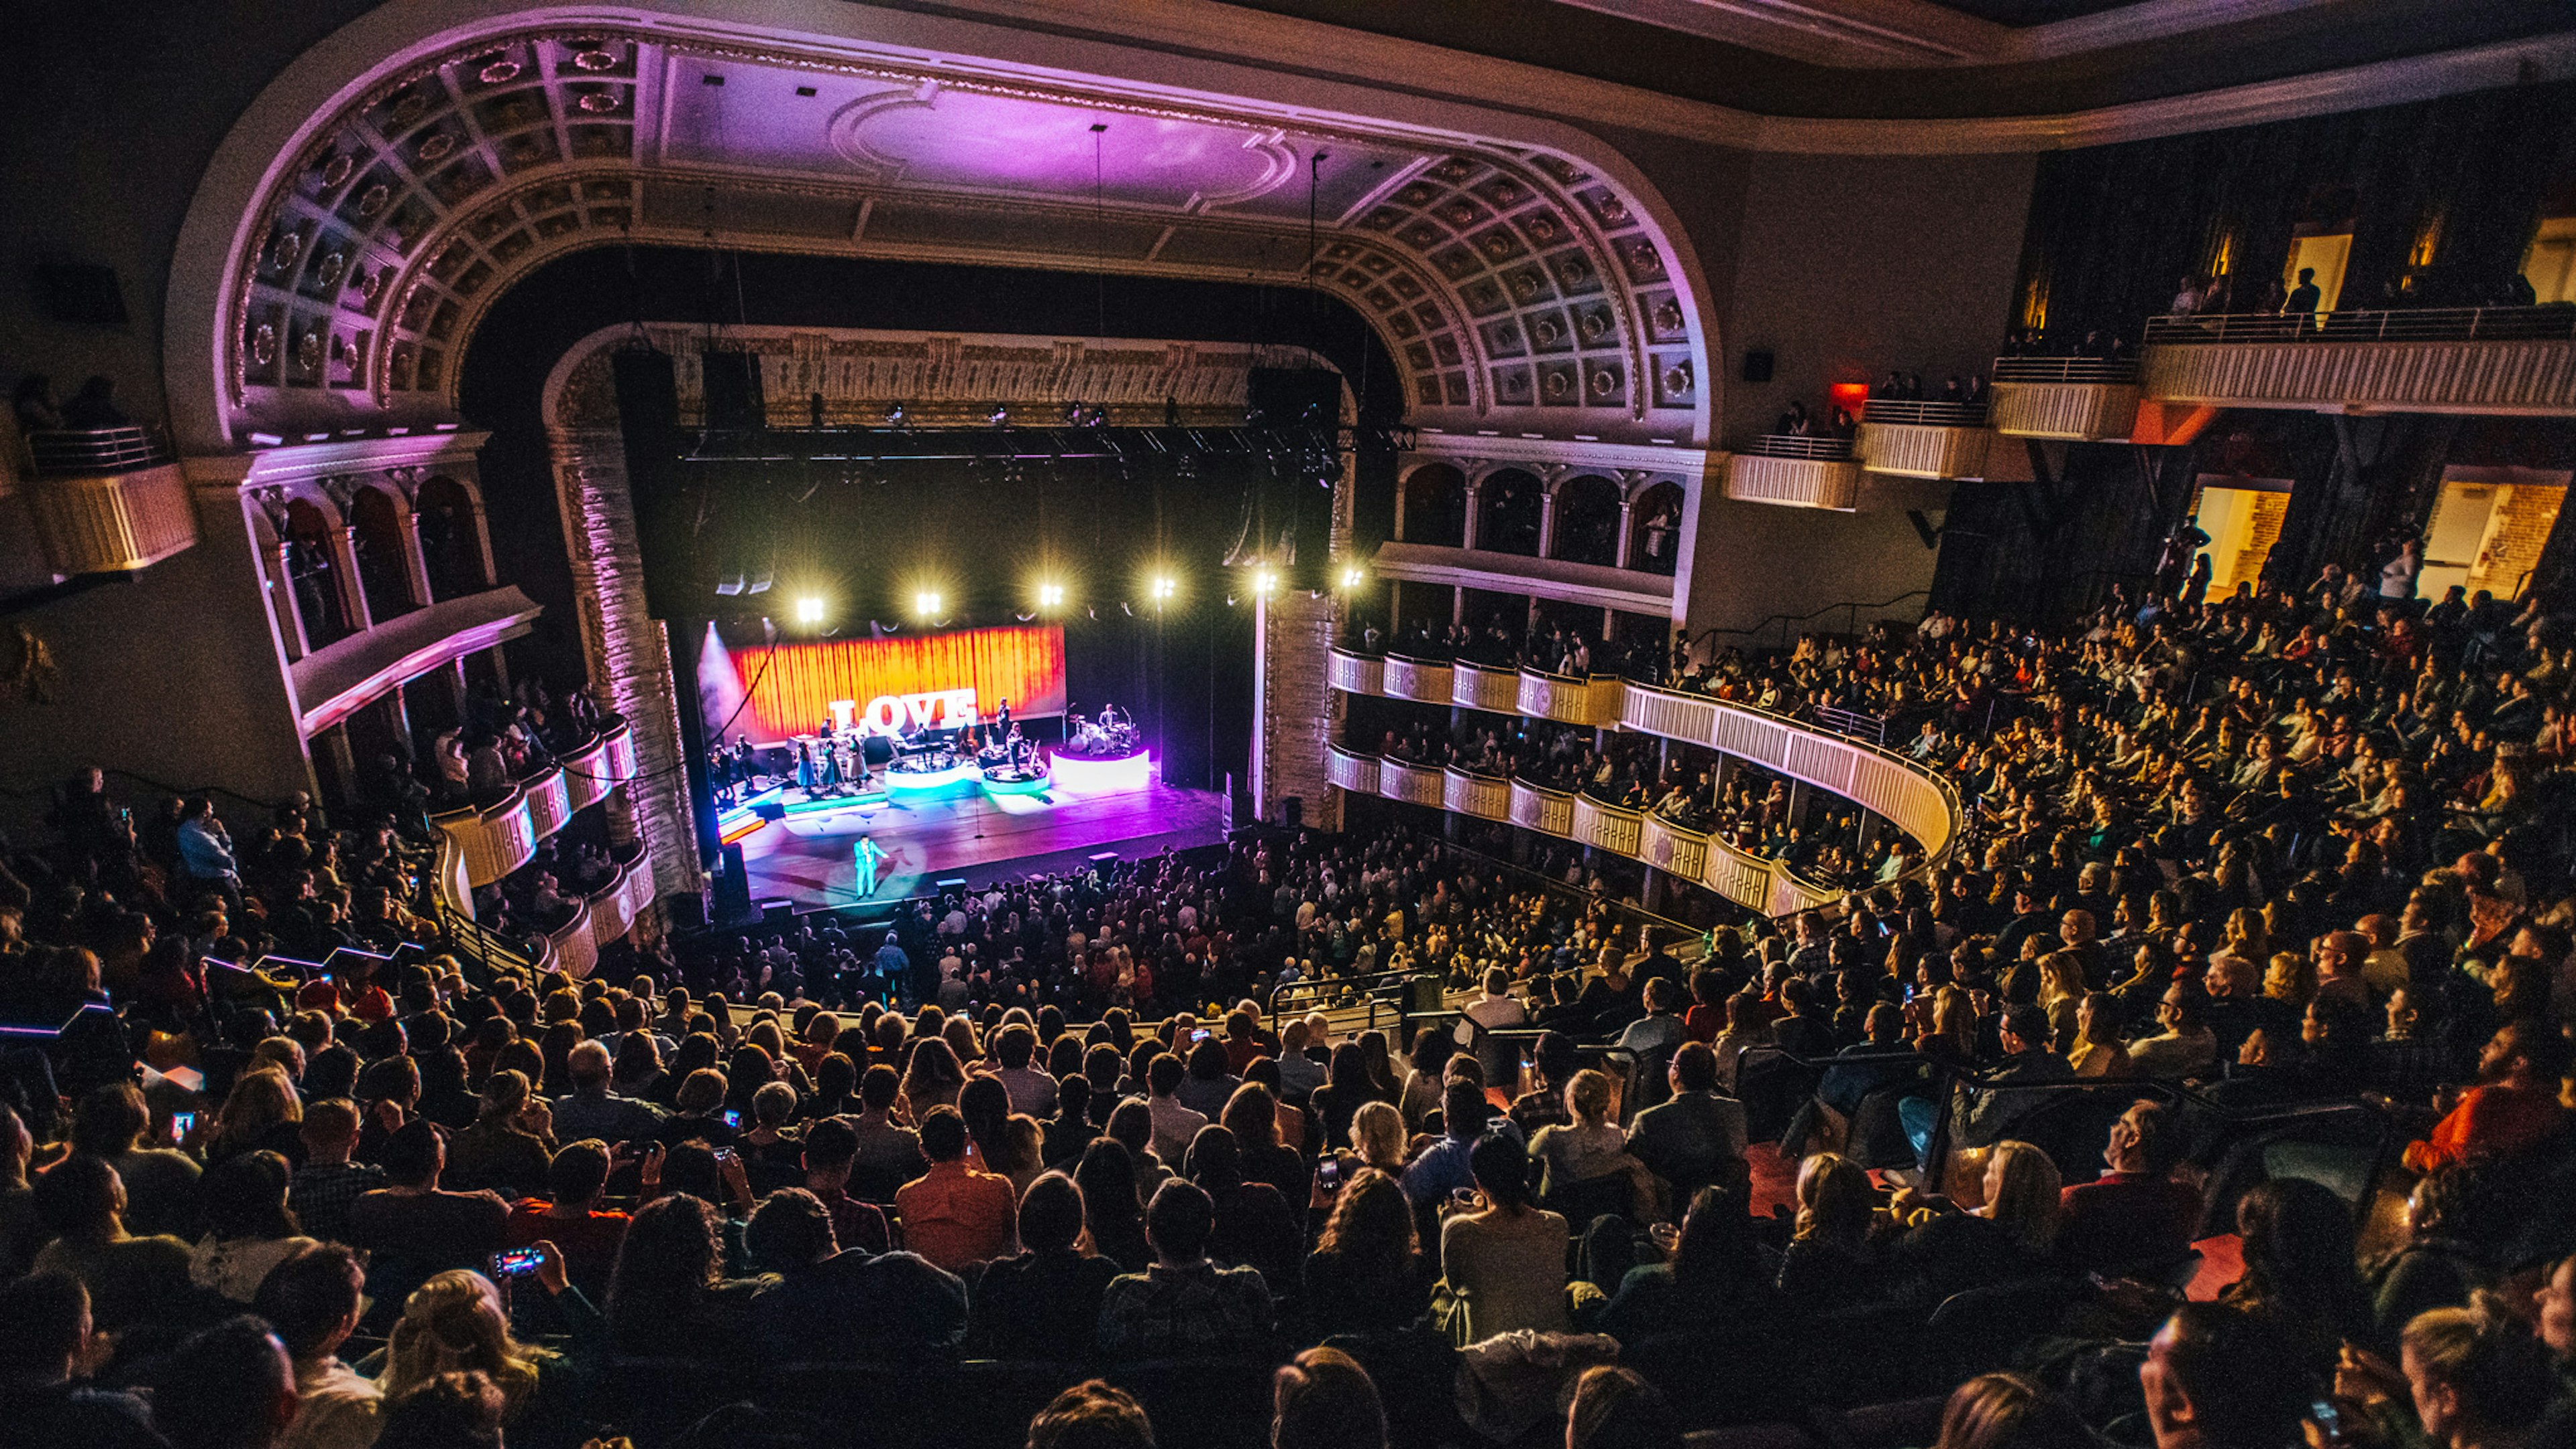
(1795, 471)
(1911, 797)
(333, 682)
(1924, 439)
(1592, 586)
(605, 915)
(497, 839)
(2081, 399)
(2431, 360)
(105, 501)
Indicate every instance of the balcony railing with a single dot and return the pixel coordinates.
(1914, 799)
(1422, 679)
(1411, 783)
(95, 450)
(2555, 323)
(1924, 450)
(2066, 369)
(1924, 413)
(1822, 448)
(1497, 691)
(2454, 360)
(496, 839)
(1824, 476)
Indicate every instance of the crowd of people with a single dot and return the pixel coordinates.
(2223, 862)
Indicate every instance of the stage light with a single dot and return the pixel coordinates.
(925, 603)
(999, 417)
(1265, 582)
(809, 609)
(1050, 596)
(895, 416)
(1353, 576)
(1165, 588)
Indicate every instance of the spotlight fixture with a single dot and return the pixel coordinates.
(1000, 416)
(1073, 414)
(809, 609)
(1265, 582)
(1165, 587)
(1353, 576)
(895, 416)
(925, 603)
(1050, 596)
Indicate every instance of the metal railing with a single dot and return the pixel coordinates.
(1852, 724)
(1925, 413)
(95, 450)
(1333, 993)
(1849, 608)
(1810, 446)
(2423, 324)
(2066, 369)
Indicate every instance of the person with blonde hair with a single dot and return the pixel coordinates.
(2061, 990)
(1828, 1262)
(1323, 1399)
(262, 1112)
(1588, 1147)
(2011, 1236)
(2099, 1050)
(1377, 1138)
(2291, 978)
(2477, 1375)
(456, 1322)
(2008, 1411)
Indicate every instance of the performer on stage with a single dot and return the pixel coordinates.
(865, 856)
(1002, 719)
(804, 769)
(831, 766)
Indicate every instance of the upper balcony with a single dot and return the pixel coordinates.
(2429, 360)
(1796, 471)
(1924, 439)
(334, 681)
(1597, 586)
(2080, 399)
(106, 500)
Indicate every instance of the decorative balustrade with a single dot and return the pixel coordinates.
(576, 951)
(1920, 450)
(1887, 784)
(2458, 360)
(2079, 398)
(608, 914)
(587, 775)
(636, 891)
(495, 841)
(549, 800)
(1414, 784)
(1608, 827)
(1418, 679)
(1477, 687)
(1355, 673)
(1535, 807)
(1354, 772)
(1486, 797)
(105, 523)
(1811, 481)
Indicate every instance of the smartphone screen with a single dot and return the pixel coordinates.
(1201, 1034)
(1328, 1175)
(181, 1124)
(516, 1262)
(732, 1119)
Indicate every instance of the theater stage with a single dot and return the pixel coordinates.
(806, 858)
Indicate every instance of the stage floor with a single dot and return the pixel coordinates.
(807, 860)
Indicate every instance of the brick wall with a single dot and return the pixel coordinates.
(2516, 532)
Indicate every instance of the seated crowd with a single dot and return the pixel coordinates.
(2230, 920)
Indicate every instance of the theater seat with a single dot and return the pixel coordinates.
(1749, 1436)
(1978, 1331)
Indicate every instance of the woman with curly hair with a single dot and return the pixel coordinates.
(668, 1293)
(1367, 1271)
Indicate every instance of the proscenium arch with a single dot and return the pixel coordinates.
(1512, 258)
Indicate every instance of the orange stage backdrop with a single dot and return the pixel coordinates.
(794, 689)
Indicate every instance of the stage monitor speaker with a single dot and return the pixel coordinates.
(1757, 365)
(733, 888)
(879, 749)
(733, 388)
(648, 418)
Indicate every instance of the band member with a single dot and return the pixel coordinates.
(1002, 718)
(831, 768)
(865, 856)
(804, 769)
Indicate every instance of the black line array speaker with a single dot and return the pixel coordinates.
(648, 417)
(1292, 503)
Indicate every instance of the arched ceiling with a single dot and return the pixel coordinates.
(1519, 287)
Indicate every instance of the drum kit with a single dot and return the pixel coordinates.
(1111, 736)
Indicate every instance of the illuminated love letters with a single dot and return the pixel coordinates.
(890, 714)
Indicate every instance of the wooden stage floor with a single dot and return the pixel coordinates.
(982, 839)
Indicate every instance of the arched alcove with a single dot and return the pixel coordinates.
(1655, 528)
(1432, 506)
(1508, 507)
(451, 546)
(313, 571)
(1587, 521)
(384, 574)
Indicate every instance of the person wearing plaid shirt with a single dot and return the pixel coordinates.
(1184, 1306)
(328, 1182)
